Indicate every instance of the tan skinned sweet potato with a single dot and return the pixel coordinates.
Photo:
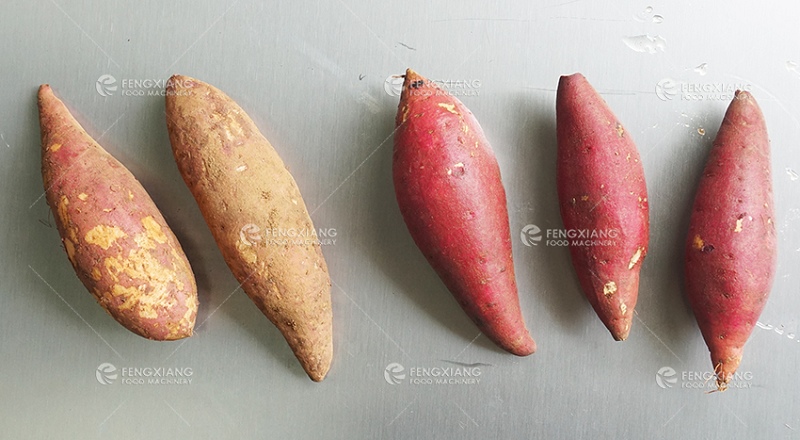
(603, 200)
(731, 250)
(448, 187)
(241, 184)
(115, 237)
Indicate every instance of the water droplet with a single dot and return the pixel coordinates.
(657, 19)
(792, 174)
(791, 336)
(646, 43)
(648, 10)
(764, 326)
(702, 69)
(793, 66)
(779, 331)
(701, 131)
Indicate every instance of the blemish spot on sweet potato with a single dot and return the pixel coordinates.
(96, 275)
(620, 130)
(54, 147)
(70, 248)
(83, 196)
(738, 227)
(623, 308)
(707, 248)
(610, 288)
(153, 230)
(698, 243)
(63, 213)
(104, 235)
(584, 198)
(241, 168)
(449, 107)
(635, 258)
(130, 195)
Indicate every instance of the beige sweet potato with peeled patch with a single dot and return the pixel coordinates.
(258, 218)
(116, 239)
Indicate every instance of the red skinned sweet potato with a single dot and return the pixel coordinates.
(452, 199)
(115, 237)
(603, 202)
(731, 250)
(240, 182)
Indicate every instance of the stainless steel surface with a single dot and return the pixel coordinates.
(312, 75)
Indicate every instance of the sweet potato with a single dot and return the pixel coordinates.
(241, 183)
(115, 237)
(448, 186)
(731, 250)
(603, 202)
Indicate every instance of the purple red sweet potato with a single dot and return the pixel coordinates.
(731, 251)
(448, 186)
(239, 181)
(601, 191)
(115, 237)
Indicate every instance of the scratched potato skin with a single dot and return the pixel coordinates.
(114, 235)
(239, 180)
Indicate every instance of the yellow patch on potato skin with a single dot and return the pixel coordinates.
(610, 288)
(69, 245)
(96, 274)
(54, 147)
(155, 282)
(104, 235)
(449, 107)
(738, 227)
(698, 243)
(83, 196)
(635, 258)
(153, 230)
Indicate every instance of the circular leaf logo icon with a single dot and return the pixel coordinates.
(105, 85)
(393, 85)
(394, 373)
(106, 373)
(531, 235)
(667, 88)
(666, 377)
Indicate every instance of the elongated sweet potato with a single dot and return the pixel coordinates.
(731, 251)
(603, 202)
(115, 237)
(241, 185)
(452, 199)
